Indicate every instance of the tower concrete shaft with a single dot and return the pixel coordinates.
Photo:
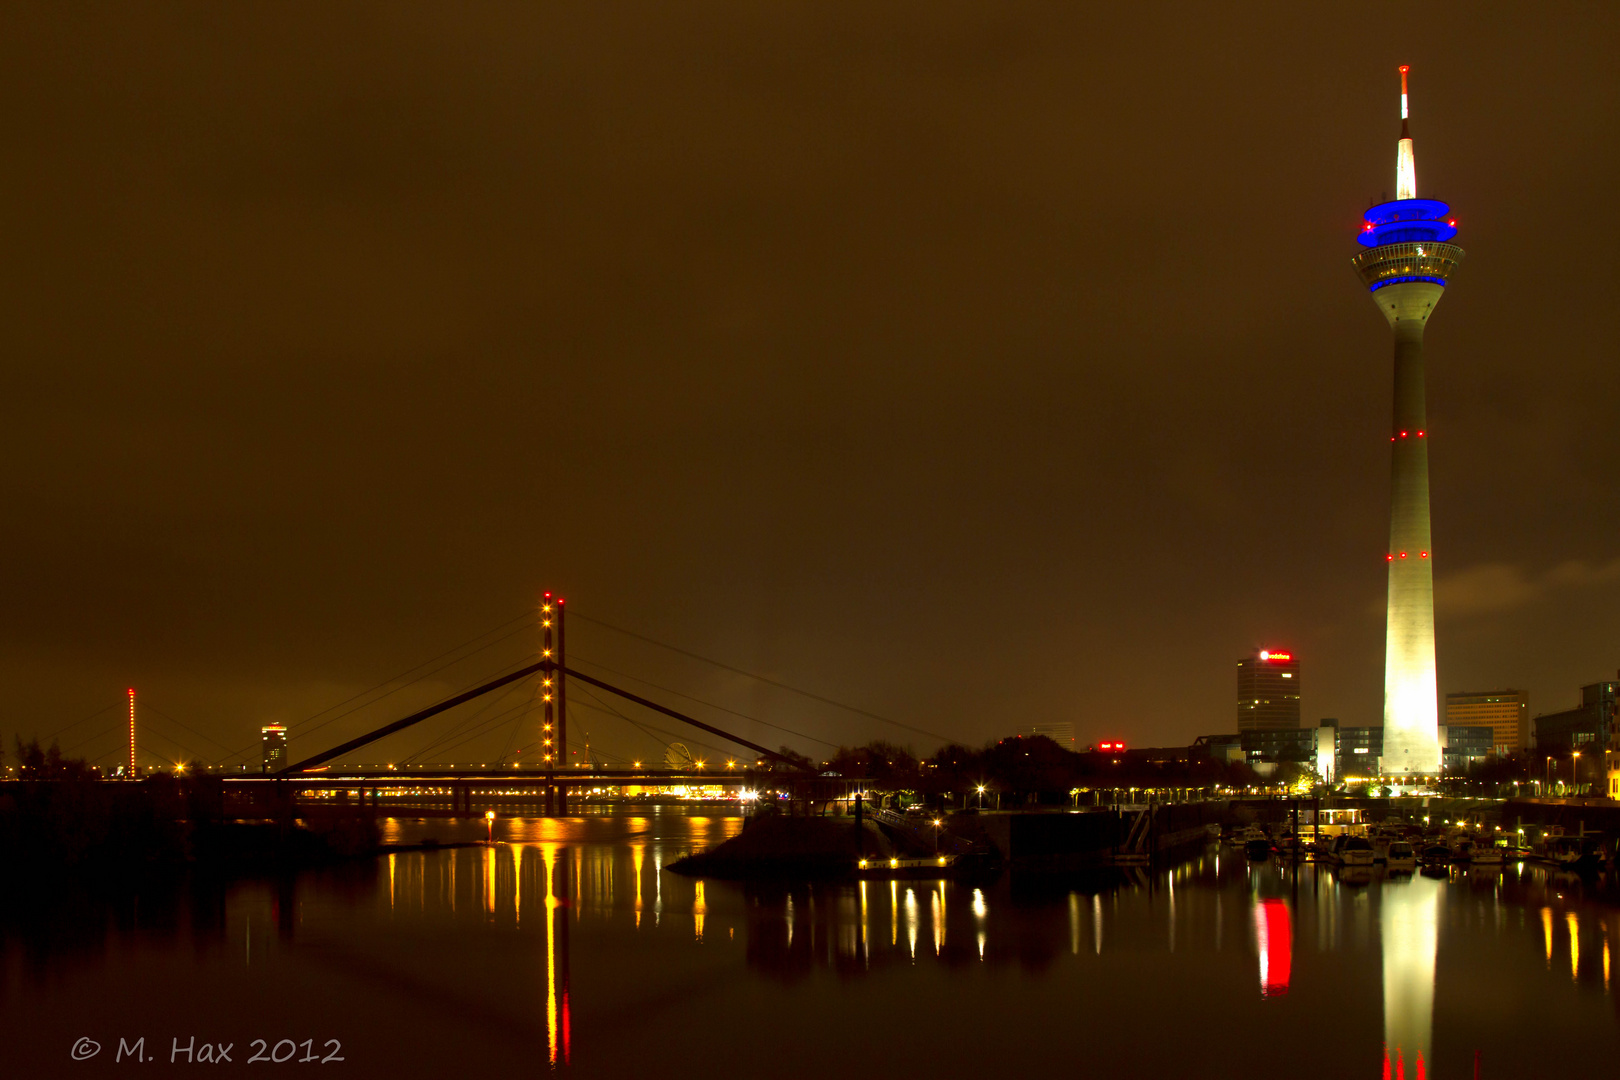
(1406, 265)
(1411, 689)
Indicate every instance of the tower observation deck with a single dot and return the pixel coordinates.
(1407, 262)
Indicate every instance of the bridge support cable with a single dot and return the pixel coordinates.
(409, 677)
(707, 704)
(415, 718)
(549, 667)
(652, 731)
(682, 717)
(768, 682)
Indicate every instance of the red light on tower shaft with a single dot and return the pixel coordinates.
(132, 733)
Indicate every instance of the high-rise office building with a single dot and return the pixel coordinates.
(274, 739)
(1406, 266)
(1060, 732)
(1505, 712)
(1268, 691)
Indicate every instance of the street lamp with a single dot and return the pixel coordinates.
(981, 796)
(1549, 774)
(489, 821)
(1574, 765)
(936, 835)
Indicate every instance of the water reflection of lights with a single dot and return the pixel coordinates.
(979, 912)
(1096, 924)
(700, 908)
(1574, 944)
(558, 1026)
(1410, 917)
(894, 912)
(937, 902)
(637, 857)
(517, 885)
(1546, 932)
(391, 858)
(865, 956)
(489, 880)
(1274, 936)
(1074, 924)
(911, 920)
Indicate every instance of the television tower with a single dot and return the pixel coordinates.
(1406, 266)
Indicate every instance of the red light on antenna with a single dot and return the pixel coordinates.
(561, 601)
(1403, 434)
(1420, 434)
(1403, 554)
(546, 595)
(1423, 554)
(1453, 224)
(1389, 558)
(1405, 68)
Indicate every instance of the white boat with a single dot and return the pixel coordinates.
(1355, 851)
(1401, 858)
(1563, 850)
(1488, 855)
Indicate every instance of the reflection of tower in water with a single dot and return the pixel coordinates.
(1274, 937)
(1410, 914)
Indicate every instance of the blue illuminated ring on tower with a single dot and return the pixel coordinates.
(1407, 221)
(1393, 264)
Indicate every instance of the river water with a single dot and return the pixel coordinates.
(567, 946)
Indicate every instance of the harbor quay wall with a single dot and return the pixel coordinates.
(1090, 836)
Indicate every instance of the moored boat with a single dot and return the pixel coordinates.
(1356, 851)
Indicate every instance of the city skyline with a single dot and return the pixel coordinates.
(332, 348)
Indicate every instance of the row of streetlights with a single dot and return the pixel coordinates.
(1574, 766)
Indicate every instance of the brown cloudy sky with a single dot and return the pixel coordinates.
(975, 364)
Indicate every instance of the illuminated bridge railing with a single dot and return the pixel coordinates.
(1392, 264)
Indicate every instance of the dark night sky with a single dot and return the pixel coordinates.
(974, 364)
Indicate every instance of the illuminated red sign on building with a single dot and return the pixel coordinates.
(1111, 747)
(1276, 657)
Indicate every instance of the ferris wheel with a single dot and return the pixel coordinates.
(678, 758)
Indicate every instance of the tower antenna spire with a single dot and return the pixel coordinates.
(1405, 156)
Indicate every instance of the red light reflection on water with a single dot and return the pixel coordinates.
(1399, 1071)
(1274, 932)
